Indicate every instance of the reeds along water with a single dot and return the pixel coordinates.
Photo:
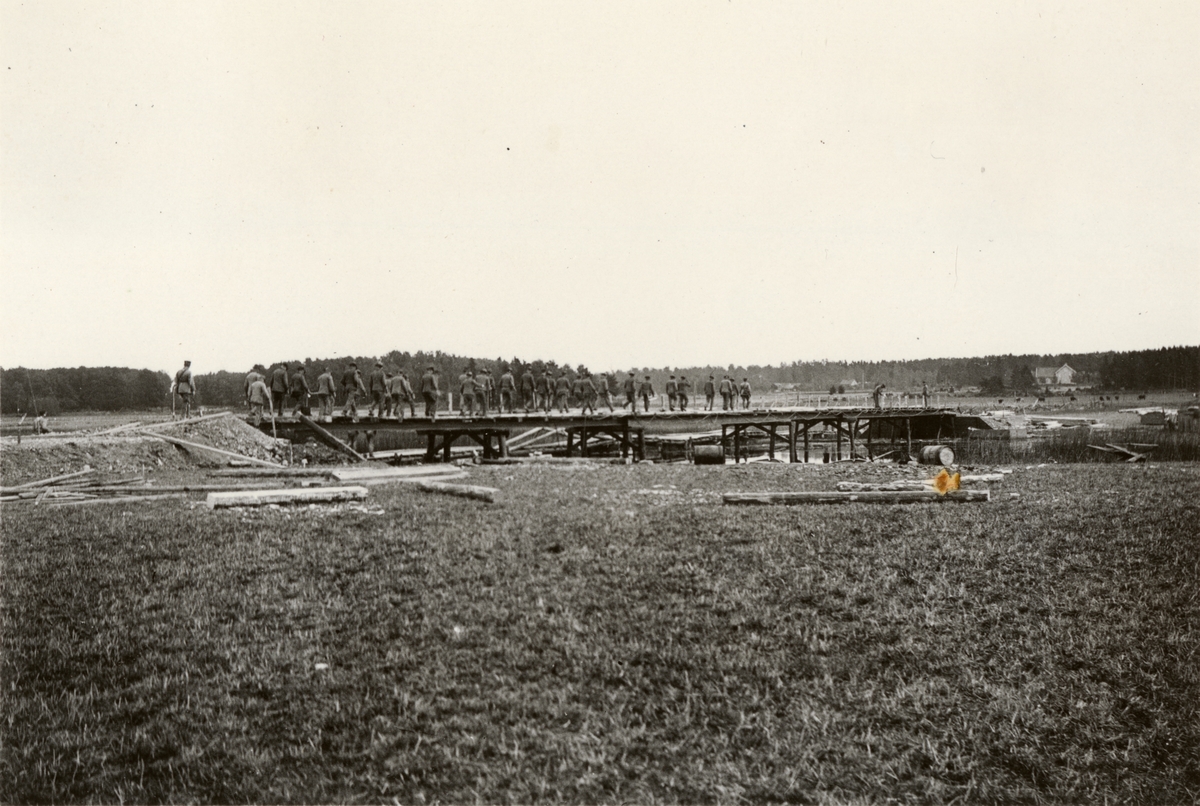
(1071, 445)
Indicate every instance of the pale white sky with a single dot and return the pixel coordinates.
(617, 184)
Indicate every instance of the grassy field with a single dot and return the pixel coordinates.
(612, 634)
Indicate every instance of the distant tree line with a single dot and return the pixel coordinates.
(116, 388)
(82, 388)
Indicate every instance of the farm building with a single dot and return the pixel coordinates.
(1064, 376)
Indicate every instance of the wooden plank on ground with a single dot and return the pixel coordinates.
(120, 499)
(44, 482)
(487, 494)
(263, 472)
(197, 446)
(865, 497)
(305, 495)
(383, 472)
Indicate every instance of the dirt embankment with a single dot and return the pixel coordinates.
(133, 453)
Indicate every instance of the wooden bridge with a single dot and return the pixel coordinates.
(793, 427)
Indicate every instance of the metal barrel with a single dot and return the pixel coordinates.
(708, 455)
(936, 455)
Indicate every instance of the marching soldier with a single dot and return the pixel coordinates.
(253, 375)
(352, 386)
(300, 391)
(466, 392)
(672, 392)
(710, 392)
(744, 389)
(585, 391)
(326, 392)
(279, 387)
(728, 391)
(378, 389)
(484, 385)
(429, 392)
(185, 387)
(508, 385)
(630, 388)
(602, 390)
(259, 395)
(545, 398)
(562, 391)
(645, 392)
(528, 399)
(682, 391)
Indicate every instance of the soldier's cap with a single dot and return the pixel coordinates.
(710, 377)
(299, 367)
(353, 364)
(379, 363)
(187, 363)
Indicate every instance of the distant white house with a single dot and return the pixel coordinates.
(1049, 376)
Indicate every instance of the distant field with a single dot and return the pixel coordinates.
(612, 634)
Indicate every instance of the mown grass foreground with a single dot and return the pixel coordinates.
(612, 634)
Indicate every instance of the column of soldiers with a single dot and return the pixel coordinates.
(388, 394)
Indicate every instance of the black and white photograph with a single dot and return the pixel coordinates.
(519, 402)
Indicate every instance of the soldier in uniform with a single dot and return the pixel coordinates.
(300, 391)
(710, 392)
(483, 390)
(877, 394)
(682, 391)
(603, 391)
(259, 395)
(253, 375)
(528, 399)
(586, 394)
(352, 386)
(466, 392)
(630, 388)
(672, 392)
(326, 392)
(508, 386)
(279, 388)
(378, 387)
(744, 389)
(185, 387)
(645, 392)
(545, 389)
(728, 392)
(429, 392)
(562, 391)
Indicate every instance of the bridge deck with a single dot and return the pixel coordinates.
(791, 426)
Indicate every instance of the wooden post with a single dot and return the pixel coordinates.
(447, 438)
(642, 444)
(583, 441)
(329, 439)
(853, 428)
(724, 439)
(806, 425)
(737, 444)
(864, 497)
(792, 441)
(870, 436)
(625, 446)
(771, 443)
(838, 427)
(431, 447)
(503, 437)
(908, 433)
(570, 441)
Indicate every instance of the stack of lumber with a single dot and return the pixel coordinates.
(83, 487)
(911, 484)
